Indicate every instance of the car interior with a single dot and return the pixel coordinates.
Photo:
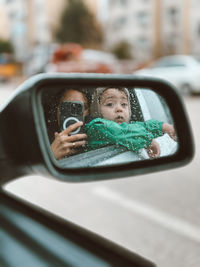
(38, 238)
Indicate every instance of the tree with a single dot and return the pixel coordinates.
(122, 50)
(79, 25)
(5, 46)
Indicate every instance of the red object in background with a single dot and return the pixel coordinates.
(68, 58)
(67, 52)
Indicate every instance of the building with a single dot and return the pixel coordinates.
(31, 24)
(174, 31)
(16, 25)
(180, 32)
(131, 21)
(154, 27)
(4, 24)
(192, 27)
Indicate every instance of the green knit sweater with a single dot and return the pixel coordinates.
(133, 136)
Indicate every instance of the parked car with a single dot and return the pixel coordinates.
(72, 57)
(34, 237)
(182, 71)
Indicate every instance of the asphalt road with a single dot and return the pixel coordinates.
(156, 215)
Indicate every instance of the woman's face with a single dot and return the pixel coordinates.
(74, 95)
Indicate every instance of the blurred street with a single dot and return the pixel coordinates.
(155, 215)
(7, 88)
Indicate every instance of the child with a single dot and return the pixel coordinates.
(112, 127)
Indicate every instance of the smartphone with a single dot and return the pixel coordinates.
(70, 113)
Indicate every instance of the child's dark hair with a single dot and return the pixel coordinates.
(119, 88)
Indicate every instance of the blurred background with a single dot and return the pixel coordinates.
(115, 36)
(156, 215)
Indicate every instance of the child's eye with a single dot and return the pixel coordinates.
(109, 104)
(124, 104)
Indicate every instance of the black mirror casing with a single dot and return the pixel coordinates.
(20, 149)
(25, 147)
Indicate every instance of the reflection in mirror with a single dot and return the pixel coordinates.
(89, 127)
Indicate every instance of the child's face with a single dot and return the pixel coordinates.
(114, 106)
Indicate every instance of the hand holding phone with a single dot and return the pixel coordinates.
(70, 113)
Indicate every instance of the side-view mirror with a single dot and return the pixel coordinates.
(112, 126)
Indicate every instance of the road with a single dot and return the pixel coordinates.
(156, 215)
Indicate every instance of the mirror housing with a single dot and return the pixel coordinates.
(24, 144)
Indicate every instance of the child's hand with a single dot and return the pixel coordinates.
(169, 129)
(153, 150)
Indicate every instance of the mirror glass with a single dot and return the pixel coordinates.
(105, 126)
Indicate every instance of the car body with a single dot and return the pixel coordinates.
(72, 57)
(183, 71)
(39, 238)
(33, 237)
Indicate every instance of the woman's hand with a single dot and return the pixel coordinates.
(65, 144)
(169, 129)
(153, 150)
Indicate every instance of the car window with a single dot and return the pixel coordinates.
(153, 106)
(169, 63)
(110, 143)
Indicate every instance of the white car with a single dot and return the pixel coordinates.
(182, 71)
